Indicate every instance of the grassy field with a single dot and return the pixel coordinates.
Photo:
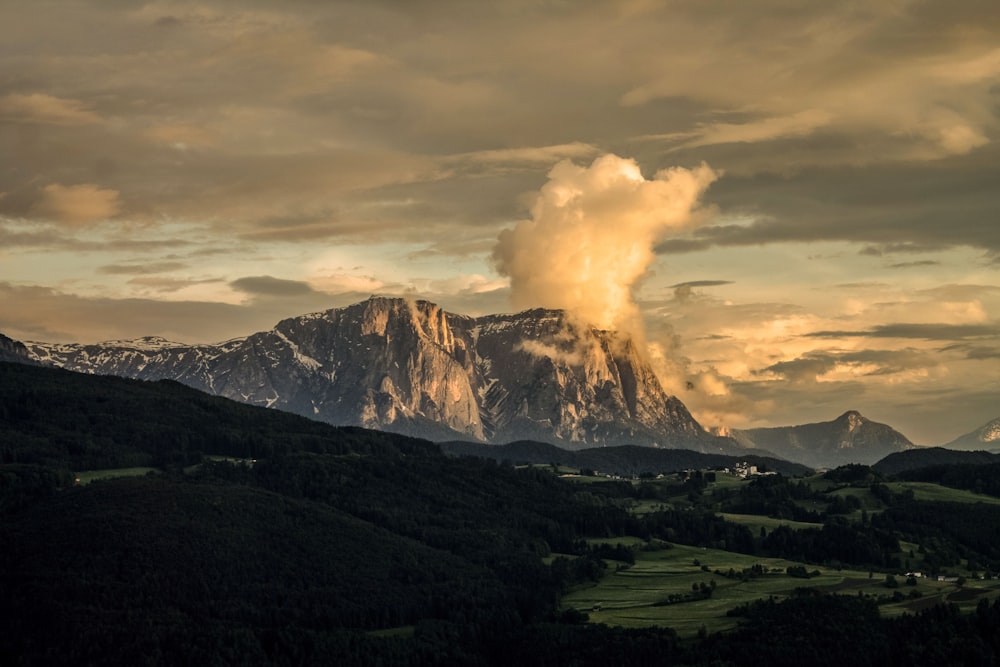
(755, 522)
(627, 597)
(88, 476)
(936, 492)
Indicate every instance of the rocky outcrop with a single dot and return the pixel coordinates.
(14, 351)
(411, 367)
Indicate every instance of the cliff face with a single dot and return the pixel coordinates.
(411, 367)
(540, 373)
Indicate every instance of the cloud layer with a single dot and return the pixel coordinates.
(257, 159)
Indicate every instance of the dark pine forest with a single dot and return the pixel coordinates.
(265, 538)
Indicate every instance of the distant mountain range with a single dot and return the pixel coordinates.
(94, 428)
(412, 368)
(850, 438)
(985, 437)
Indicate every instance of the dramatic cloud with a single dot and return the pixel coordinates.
(590, 238)
(175, 168)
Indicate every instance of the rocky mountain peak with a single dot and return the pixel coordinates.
(851, 420)
(850, 438)
(990, 432)
(411, 367)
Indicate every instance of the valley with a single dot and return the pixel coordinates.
(262, 537)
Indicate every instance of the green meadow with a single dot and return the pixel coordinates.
(936, 492)
(628, 595)
(88, 476)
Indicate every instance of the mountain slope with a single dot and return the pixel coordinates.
(14, 351)
(925, 457)
(412, 368)
(625, 460)
(850, 438)
(66, 420)
(985, 437)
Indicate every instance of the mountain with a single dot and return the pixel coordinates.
(412, 368)
(64, 420)
(627, 460)
(850, 438)
(288, 559)
(14, 351)
(985, 437)
(926, 457)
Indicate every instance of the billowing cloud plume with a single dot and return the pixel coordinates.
(590, 239)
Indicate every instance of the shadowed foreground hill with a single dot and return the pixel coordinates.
(914, 459)
(62, 419)
(353, 547)
(146, 566)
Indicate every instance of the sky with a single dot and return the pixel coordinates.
(794, 205)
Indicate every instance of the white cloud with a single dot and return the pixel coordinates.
(590, 238)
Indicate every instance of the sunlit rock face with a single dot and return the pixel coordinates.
(413, 368)
(542, 376)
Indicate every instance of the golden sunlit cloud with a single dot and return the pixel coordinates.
(799, 124)
(77, 204)
(590, 238)
(45, 110)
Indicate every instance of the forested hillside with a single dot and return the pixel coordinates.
(263, 538)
